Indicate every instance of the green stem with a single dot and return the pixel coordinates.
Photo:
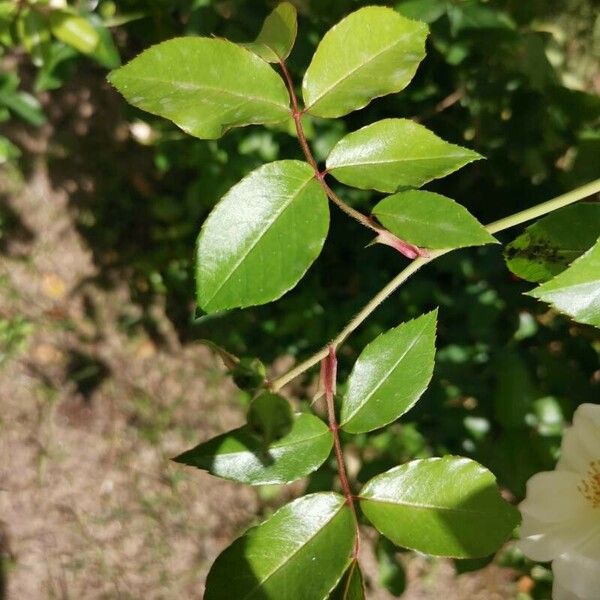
(516, 219)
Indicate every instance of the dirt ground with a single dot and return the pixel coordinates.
(90, 505)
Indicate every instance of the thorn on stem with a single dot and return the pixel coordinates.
(405, 248)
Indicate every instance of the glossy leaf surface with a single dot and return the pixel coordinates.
(351, 585)
(242, 456)
(204, 85)
(372, 52)
(74, 30)
(390, 375)
(278, 34)
(300, 552)
(260, 239)
(550, 245)
(576, 291)
(430, 220)
(448, 506)
(392, 153)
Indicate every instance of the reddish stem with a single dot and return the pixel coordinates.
(328, 379)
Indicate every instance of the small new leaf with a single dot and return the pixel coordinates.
(431, 221)
(448, 506)
(261, 238)
(576, 291)
(302, 551)
(395, 153)
(242, 456)
(372, 52)
(550, 245)
(390, 375)
(204, 85)
(278, 34)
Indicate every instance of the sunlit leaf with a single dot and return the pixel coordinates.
(390, 375)
(278, 34)
(576, 291)
(300, 552)
(74, 30)
(260, 239)
(392, 153)
(430, 220)
(242, 456)
(550, 245)
(204, 85)
(448, 506)
(372, 52)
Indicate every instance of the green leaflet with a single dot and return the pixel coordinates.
(576, 291)
(551, 244)
(300, 552)
(374, 51)
(270, 417)
(204, 85)
(278, 34)
(351, 585)
(448, 506)
(430, 220)
(241, 455)
(241, 259)
(392, 153)
(74, 30)
(390, 375)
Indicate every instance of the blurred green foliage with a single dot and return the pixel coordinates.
(510, 79)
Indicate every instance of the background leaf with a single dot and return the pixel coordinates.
(270, 417)
(431, 220)
(278, 34)
(242, 456)
(260, 239)
(374, 51)
(448, 506)
(390, 375)
(394, 152)
(300, 552)
(576, 291)
(74, 30)
(205, 86)
(551, 244)
(351, 586)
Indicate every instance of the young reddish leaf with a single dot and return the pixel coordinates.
(302, 551)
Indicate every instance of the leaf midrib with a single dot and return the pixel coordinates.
(422, 506)
(400, 160)
(385, 377)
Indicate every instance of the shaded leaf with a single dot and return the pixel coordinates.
(204, 85)
(106, 52)
(374, 51)
(423, 10)
(351, 585)
(242, 456)
(260, 239)
(550, 245)
(270, 417)
(576, 291)
(391, 571)
(278, 34)
(431, 220)
(300, 552)
(390, 375)
(448, 506)
(74, 30)
(392, 153)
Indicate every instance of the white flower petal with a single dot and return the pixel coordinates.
(561, 593)
(545, 541)
(578, 571)
(553, 496)
(581, 441)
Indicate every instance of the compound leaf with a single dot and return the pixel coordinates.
(448, 506)
(550, 245)
(374, 51)
(392, 153)
(300, 552)
(278, 34)
(576, 291)
(241, 455)
(430, 220)
(260, 239)
(390, 375)
(204, 85)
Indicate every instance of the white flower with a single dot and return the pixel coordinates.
(561, 512)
